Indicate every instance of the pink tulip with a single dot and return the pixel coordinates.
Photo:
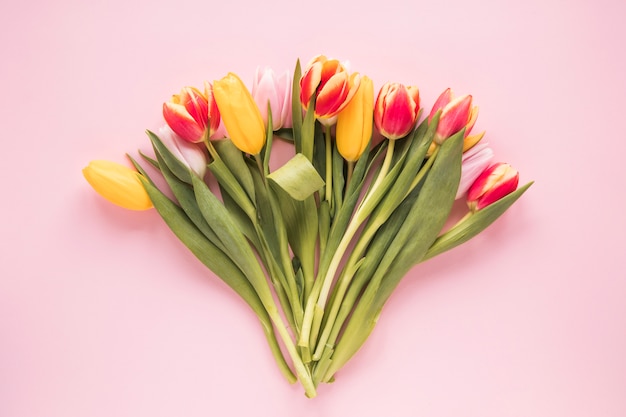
(492, 184)
(456, 114)
(396, 110)
(475, 161)
(190, 154)
(268, 88)
(334, 86)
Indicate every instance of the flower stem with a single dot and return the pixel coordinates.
(314, 311)
(329, 164)
(301, 370)
(349, 173)
(423, 170)
(259, 164)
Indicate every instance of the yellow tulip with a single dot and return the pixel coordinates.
(118, 184)
(240, 114)
(354, 122)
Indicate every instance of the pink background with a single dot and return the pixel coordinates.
(104, 313)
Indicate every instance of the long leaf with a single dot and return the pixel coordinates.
(473, 225)
(213, 258)
(418, 231)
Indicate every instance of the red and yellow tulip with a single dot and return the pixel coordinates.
(456, 113)
(495, 182)
(333, 86)
(191, 114)
(396, 110)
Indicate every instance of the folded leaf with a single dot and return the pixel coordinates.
(297, 177)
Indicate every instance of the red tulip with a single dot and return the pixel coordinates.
(396, 110)
(456, 114)
(191, 114)
(495, 182)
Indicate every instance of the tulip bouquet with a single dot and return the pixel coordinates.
(316, 246)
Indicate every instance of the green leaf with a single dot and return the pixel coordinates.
(301, 221)
(414, 232)
(308, 130)
(232, 158)
(267, 149)
(339, 181)
(427, 216)
(187, 200)
(297, 177)
(177, 167)
(296, 108)
(213, 258)
(227, 231)
(230, 185)
(474, 224)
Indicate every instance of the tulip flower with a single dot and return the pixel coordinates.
(220, 132)
(474, 162)
(492, 184)
(191, 114)
(396, 110)
(333, 86)
(118, 184)
(354, 122)
(186, 152)
(268, 88)
(456, 114)
(240, 114)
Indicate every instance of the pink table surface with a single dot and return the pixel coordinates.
(104, 313)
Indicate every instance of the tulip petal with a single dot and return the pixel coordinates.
(354, 122)
(331, 96)
(475, 161)
(396, 110)
(492, 184)
(310, 82)
(181, 122)
(118, 184)
(188, 153)
(285, 83)
(399, 114)
(240, 114)
(442, 101)
(454, 117)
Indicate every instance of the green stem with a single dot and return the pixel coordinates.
(314, 311)
(423, 170)
(330, 327)
(349, 173)
(259, 164)
(301, 370)
(329, 164)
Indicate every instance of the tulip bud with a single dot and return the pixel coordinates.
(267, 88)
(240, 114)
(354, 122)
(396, 110)
(492, 184)
(474, 162)
(333, 86)
(188, 114)
(188, 153)
(456, 114)
(118, 184)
